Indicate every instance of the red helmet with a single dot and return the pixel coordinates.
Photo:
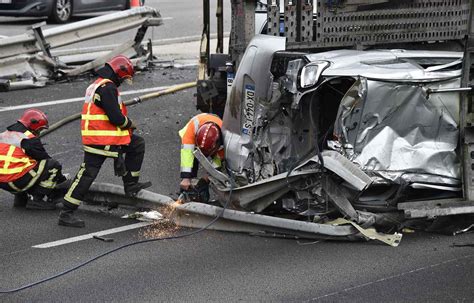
(34, 120)
(208, 138)
(122, 67)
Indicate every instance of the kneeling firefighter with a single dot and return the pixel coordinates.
(203, 131)
(26, 169)
(107, 132)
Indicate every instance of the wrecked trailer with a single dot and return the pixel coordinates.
(368, 136)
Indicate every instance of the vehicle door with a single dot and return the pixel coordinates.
(85, 6)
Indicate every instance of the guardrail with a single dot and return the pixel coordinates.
(79, 31)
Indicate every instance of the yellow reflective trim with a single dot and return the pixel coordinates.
(11, 171)
(187, 158)
(32, 182)
(216, 162)
(8, 159)
(12, 186)
(100, 152)
(49, 183)
(15, 160)
(182, 131)
(72, 200)
(28, 133)
(38, 173)
(135, 173)
(124, 123)
(95, 117)
(86, 126)
(106, 133)
(68, 197)
(10, 152)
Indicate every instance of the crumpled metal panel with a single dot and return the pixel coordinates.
(252, 82)
(394, 131)
(386, 64)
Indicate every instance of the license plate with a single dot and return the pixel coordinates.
(249, 109)
(5, 1)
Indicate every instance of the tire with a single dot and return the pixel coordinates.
(61, 11)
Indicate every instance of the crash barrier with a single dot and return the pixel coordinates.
(197, 215)
(135, 100)
(28, 56)
(83, 53)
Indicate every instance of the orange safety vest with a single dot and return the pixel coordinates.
(188, 141)
(14, 163)
(96, 128)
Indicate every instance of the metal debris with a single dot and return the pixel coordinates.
(27, 60)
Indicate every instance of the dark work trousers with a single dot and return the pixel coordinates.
(41, 180)
(134, 153)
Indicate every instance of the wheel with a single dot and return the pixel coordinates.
(61, 11)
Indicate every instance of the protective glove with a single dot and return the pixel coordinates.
(120, 169)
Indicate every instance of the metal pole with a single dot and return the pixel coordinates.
(205, 43)
(220, 26)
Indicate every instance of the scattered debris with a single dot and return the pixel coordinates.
(146, 216)
(28, 60)
(103, 239)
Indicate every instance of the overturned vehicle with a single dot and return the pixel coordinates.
(367, 138)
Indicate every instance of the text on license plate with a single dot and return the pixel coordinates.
(249, 109)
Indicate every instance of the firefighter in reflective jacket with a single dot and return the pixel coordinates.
(107, 132)
(203, 131)
(26, 169)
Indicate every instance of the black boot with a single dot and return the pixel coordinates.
(67, 218)
(132, 188)
(37, 203)
(20, 200)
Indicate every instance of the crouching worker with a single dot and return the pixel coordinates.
(26, 169)
(106, 133)
(203, 131)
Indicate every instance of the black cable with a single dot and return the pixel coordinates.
(124, 246)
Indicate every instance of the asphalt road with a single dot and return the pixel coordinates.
(209, 266)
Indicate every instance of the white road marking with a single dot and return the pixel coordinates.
(89, 236)
(47, 103)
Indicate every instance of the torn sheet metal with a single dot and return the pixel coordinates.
(25, 60)
(393, 131)
(78, 31)
(342, 167)
(371, 233)
(257, 196)
(35, 69)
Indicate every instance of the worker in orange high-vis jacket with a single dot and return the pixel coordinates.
(203, 131)
(26, 169)
(107, 132)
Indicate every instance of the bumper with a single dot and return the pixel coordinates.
(26, 8)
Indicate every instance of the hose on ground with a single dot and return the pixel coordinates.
(136, 100)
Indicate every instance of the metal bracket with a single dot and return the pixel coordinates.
(43, 45)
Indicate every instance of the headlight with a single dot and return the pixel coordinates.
(311, 72)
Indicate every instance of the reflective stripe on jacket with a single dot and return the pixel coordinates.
(14, 162)
(96, 128)
(188, 141)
